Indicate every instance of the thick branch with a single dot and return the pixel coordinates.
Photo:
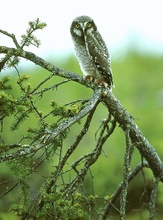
(126, 121)
(115, 108)
(42, 63)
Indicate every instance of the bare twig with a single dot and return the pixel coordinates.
(91, 157)
(127, 160)
(119, 188)
(12, 36)
(70, 150)
(51, 135)
(8, 55)
(152, 201)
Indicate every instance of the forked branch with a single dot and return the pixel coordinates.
(120, 114)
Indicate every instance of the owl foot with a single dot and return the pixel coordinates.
(101, 83)
(97, 82)
(88, 78)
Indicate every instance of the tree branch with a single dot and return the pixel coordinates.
(127, 161)
(42, 63)
(152, 201)
(70, 150)
(25, 150)
(117, 192)
(126, 121)
(134, 137)
(120, 114)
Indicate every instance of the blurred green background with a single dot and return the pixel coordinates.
(138, 82)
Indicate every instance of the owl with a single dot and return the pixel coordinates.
(91, 51)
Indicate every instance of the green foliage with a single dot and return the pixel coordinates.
(8, 104)
(65, 207)
(35, 108)
(21, 171)
(19, 107)
(20, 174)
(5, 83)
(29, 38)
(26, 40)
(62, 111)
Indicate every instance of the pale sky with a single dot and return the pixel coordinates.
(121, 23)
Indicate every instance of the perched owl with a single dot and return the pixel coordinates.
(91, 51)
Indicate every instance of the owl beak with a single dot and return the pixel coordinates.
(83, 28)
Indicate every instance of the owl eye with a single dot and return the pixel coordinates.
(89, 24)
(77, 26)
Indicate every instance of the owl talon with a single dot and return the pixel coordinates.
(101, 83)
(88, 78)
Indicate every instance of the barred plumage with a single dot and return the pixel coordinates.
(91, 50)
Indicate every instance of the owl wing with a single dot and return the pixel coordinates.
(99, 54)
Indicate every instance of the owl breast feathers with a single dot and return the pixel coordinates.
(91, 51)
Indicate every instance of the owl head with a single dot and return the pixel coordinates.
(82, 26)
